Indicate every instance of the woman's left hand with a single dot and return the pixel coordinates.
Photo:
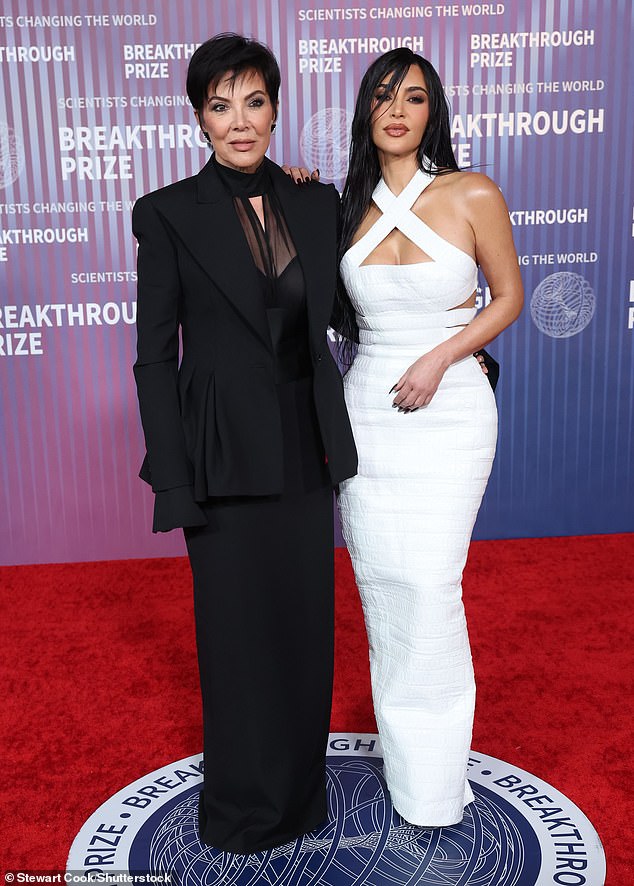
(418, 384)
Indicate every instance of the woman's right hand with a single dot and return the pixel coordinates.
(300, 174)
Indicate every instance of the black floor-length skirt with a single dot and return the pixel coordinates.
(263, 600)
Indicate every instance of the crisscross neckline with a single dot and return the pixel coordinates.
(397, 213)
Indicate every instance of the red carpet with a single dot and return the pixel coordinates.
(101, 686)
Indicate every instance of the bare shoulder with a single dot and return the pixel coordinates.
(480, 197)
(474, 186)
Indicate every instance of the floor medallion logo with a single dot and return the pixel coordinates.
(520, 831)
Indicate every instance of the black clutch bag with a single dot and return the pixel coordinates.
(492, 365)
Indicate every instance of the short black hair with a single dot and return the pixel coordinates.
(230, 55)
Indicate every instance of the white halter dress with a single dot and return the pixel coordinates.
(408, 515)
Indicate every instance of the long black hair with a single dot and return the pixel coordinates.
(434, 156)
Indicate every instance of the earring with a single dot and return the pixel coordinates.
(273, 125)
(206, 134)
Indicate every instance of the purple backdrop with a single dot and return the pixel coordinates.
(93, 114)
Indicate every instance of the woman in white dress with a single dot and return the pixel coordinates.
(414, 230)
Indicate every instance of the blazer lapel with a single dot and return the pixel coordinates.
(316, 266)
(211, 231)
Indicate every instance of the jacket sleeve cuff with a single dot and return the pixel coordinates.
(176, 508)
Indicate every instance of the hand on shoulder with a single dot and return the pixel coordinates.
(300, 174)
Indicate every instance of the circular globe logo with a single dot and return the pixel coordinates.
(519, 831)
(562, 304)
(11, 156)
(325, 141)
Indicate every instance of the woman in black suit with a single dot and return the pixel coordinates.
(245, 440)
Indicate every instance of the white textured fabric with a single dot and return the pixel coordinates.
(408, 515)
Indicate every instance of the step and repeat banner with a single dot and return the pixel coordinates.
(93, 114)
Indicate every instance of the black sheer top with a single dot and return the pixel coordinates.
(281, 278)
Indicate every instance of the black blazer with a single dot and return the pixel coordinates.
(212, 426)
